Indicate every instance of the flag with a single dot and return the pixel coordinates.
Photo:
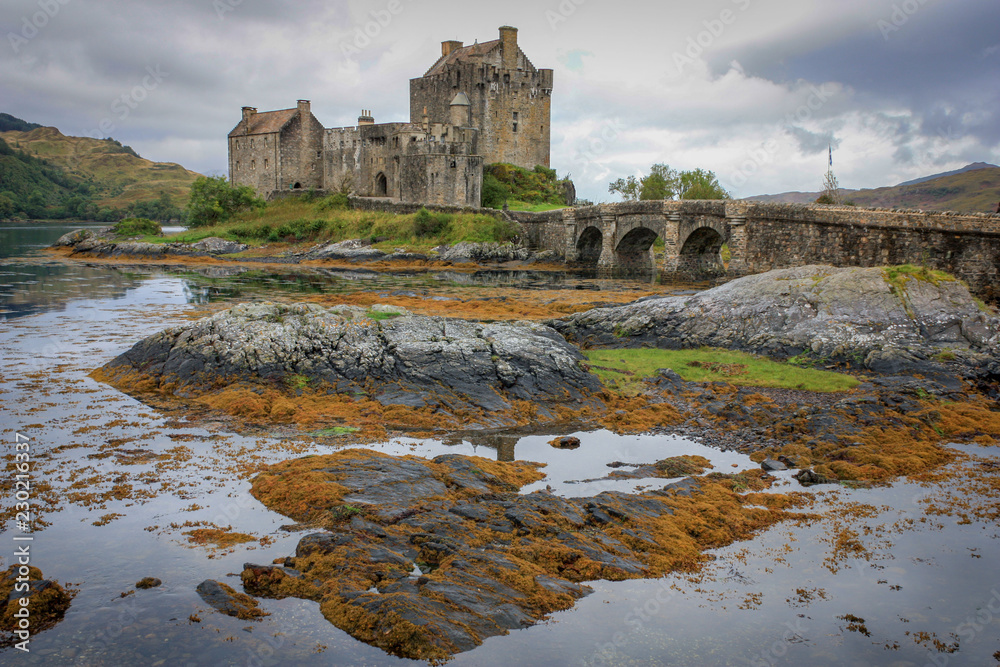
(831, 155)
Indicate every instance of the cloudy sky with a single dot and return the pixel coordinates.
(755, 90)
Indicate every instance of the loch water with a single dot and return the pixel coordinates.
(117, 484)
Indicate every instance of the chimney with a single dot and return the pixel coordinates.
(427, 122)
(449, 46)
(248, 112)
(508, 41)
(366, 118)
(303, 107)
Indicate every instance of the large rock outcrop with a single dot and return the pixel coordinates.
(425, 559)
(384, 353)
(854, 315)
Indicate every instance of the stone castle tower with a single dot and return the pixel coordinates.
(476, 105)
(509, 99)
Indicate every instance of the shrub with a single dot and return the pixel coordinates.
(334, 202)
(427, 224)
(137, 227)
(214, 200)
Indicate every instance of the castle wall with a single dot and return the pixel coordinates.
(301, 154)
(254, 161)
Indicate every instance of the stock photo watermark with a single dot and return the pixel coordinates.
(123, 106)
(22, 541)
(562, 12)
(899, 17)
(704, 39)
(363, 34)
(33, 24)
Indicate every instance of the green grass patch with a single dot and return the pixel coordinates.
(296, 220)
(518, 205)
(624, 369)
(899, 275)
(137, 227)
(334, 430)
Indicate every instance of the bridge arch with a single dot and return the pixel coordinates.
(701, 252)
(589, 246)
(634, 252)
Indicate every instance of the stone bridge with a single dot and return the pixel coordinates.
(761, 237)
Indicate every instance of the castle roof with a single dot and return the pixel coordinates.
(265, 122)
(464, 54)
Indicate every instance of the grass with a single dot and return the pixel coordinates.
(310, 222)
(381, 316)
(899, 275)
(625, 369)
(516, 205)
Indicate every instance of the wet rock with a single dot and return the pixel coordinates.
(565, 442)
(47, 603)
(848, 315)
(75, 237)
(394, 360)
(217, 246)
(771, 464)
(148, 582)
(490, 560)
(484, 253)
(353, 250)
(809, 477)
(223, 598)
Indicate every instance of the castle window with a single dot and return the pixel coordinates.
(515, 127)
(251, 143)
(237, 165)
(515, 115)
(237, 144)
(265, 163)
(253, 164)
(319, 153)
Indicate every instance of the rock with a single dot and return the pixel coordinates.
(491, 560)
(395, 361)
(565, 442)
(80, 235)
(217, 246)
(770, 464)
(484, 253)
(47, 603)
(808, 477)
(850, 315)
(224, 599)
(148, 582)
(353, 250)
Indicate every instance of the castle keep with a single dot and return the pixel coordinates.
(476, 105)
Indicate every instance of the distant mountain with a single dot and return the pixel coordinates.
(968, 167)
(970, 189)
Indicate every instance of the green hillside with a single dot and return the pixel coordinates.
(116, 178)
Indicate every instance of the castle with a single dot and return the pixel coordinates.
(478, 104)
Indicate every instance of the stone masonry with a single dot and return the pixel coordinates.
(477, 105)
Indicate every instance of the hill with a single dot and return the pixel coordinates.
(968, 190)
(118, 178)
(968, 167)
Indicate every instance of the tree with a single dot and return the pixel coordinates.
(701, 184)
(214, 200)
(831, 194)
(662, 182)
(628, 188)
(6, 207)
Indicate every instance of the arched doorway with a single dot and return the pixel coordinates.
(588, 246)
(297, 186)
(381, 185)
(635, 250)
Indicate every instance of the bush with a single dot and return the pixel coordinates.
(214, 200)
(137, 227)
(427, 224)
(334, 202)
(494, 193)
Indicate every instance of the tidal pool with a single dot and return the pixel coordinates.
(117, 484)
